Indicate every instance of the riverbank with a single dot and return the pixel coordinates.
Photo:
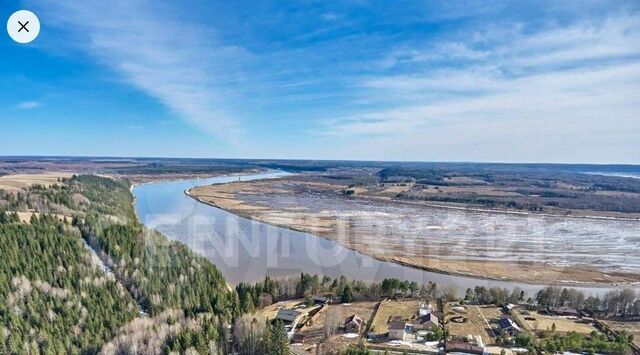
(287, 205)
(139, 179)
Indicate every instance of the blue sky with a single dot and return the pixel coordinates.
(553, 81)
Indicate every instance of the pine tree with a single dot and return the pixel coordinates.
(347, 295)
(278, 344)
(248, 304)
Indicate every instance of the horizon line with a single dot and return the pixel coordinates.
(87, 157)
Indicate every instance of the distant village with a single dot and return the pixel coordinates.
(408, 324)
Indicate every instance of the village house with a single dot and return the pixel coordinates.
(426, 322)
(353, 324)
(320, 300)
(508, 327)
(398, 330)
(287, 316)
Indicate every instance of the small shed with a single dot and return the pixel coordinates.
(353, 324)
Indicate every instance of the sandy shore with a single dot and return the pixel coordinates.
(247, 199)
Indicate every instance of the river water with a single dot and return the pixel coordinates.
(247, 250)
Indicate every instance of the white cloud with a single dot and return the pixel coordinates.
(562, 94)
(27, 105)
(475, 88)
(174, 60)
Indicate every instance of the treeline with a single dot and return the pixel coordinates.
(76, 196)
(540, 188)
(495, 295)
(159, 168)
(103, 197)
(268, 291)
(517, 176)
(427, 176)
(624, 303)
(35, 199)
(571, 342)
(548, 199)
(592, 344)
(261, 294)
(551, 342)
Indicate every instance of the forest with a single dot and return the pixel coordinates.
(521, 188)
(55, 299)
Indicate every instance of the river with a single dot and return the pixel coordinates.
(247, 250)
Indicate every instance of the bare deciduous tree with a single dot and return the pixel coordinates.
(332, 321)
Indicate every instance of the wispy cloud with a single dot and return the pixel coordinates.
(27, 105)
(175, 60)
(557, 88)
(547, 81)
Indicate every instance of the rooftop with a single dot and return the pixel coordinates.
(506, 322)
(397, 325)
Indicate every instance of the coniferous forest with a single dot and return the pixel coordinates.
(56, 296)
